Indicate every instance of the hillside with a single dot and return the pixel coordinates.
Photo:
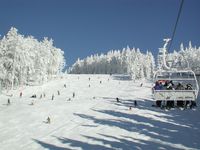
(93, 119)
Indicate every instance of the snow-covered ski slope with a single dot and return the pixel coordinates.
(93, 119)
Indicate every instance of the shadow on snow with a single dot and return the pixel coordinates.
(161, 129)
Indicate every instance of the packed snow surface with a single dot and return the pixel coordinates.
(93, 119)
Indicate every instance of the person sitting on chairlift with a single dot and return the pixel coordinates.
(179, 87)
(169, 85)
(158, 86)
(188, 87)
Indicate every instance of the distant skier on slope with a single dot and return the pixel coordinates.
(141, 84)
(20, 94)
(135, 103)
(48, 120)
(33, 96)
(117, 100)
(52, 98)
(8, 102)
(73, 94)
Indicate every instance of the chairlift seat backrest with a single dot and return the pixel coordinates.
(185, 85)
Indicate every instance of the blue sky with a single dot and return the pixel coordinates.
(85, 27)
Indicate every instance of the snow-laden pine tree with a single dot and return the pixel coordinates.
(25, 60)
(187, 57)
(125, 61)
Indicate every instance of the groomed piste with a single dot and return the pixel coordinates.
(93, 112)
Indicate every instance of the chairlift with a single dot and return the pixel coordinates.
(185, 77)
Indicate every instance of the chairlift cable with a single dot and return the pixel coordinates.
(177, 19)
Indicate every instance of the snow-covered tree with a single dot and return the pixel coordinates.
(187, 57)
(125, 61)
(25, 59)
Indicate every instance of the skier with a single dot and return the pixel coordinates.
(89, 85)
(135, 103)
(52, 97)
(58, 92)
(20, 94)
(33, 96)
(64, 85)
(73, 94)
(8, 101)
(130, 108)
(117, 99)
(48, 120)
(141, 84)
(100, 82)
(44, 95)
(41, 96)
(89, 78)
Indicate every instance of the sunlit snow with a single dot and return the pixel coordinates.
(93, 119)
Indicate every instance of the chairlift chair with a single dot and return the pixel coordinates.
(176, 76)
(184, 77)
